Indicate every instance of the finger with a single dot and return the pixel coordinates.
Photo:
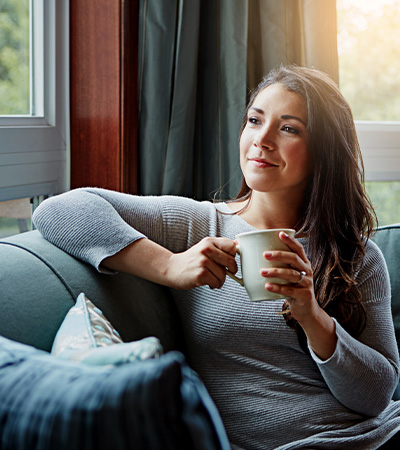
(219, 250)
(216, 276)
(290, 258)
(294, 245)
(212, 273)
(226, 245)
(293, 276)
(302, 295)
(206, 276)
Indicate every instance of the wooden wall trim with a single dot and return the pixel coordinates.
(129, 95)
(103, 52)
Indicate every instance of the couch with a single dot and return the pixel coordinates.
(48, 403)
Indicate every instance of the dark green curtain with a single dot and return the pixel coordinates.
(192, 94)
(197, 59)
(302, 32)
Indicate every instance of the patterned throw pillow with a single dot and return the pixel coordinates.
(50, 403)
(87, 336)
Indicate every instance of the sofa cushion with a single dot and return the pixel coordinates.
(39, 283)
(48, 403)
(87, 336)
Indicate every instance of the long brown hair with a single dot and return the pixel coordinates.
(337, 217)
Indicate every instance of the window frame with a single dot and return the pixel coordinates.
(380, 147)
(34, 151)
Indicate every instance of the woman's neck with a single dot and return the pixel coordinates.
(266, 211)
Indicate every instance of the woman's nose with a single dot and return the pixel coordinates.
(265, 139)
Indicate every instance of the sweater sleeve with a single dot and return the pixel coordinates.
(93, 224)
(363, 373)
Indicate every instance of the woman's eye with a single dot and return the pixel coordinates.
(253, 120)
(290, 129)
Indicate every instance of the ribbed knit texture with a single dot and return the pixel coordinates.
(270, 394)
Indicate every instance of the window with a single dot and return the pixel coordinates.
(34, 133)
(15, 216)
(385, 196)
(15, 58)
(369, 63)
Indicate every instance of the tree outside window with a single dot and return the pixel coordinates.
(14, 57)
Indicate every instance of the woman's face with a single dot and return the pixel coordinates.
(274, 155)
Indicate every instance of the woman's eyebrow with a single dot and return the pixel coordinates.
(260, 111)
(288, 116)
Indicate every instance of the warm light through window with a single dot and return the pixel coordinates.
(369, 57)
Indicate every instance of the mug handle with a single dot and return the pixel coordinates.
(233, 276)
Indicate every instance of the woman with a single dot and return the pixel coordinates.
(322, 373)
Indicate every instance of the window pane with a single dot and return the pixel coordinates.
(14, 57)
(15, 217)
(369, 57)
(385, 196)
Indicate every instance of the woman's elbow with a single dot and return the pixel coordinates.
(382, 395)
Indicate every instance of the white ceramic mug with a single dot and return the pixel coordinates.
(251, 247)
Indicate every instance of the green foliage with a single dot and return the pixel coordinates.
(369, 59)
(14, 57)
(385, 196)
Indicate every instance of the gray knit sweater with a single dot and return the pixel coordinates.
(269, 392)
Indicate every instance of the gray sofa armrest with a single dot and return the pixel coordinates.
(39, 283)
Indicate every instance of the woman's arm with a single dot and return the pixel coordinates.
(361, 373)
(92, 224)
(202, 264)
(108, 229)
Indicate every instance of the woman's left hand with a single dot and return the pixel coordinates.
(299, 274)
(317, 324)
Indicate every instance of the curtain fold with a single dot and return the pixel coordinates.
(192, 91)
(197, 59)
(299, 32)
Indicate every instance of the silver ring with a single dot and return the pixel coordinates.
(302, 275)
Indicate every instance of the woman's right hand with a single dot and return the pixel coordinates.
(203, 264)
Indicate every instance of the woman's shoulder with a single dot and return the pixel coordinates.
(373, 253)
(371, 259)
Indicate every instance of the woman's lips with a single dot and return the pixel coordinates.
(262, 163)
